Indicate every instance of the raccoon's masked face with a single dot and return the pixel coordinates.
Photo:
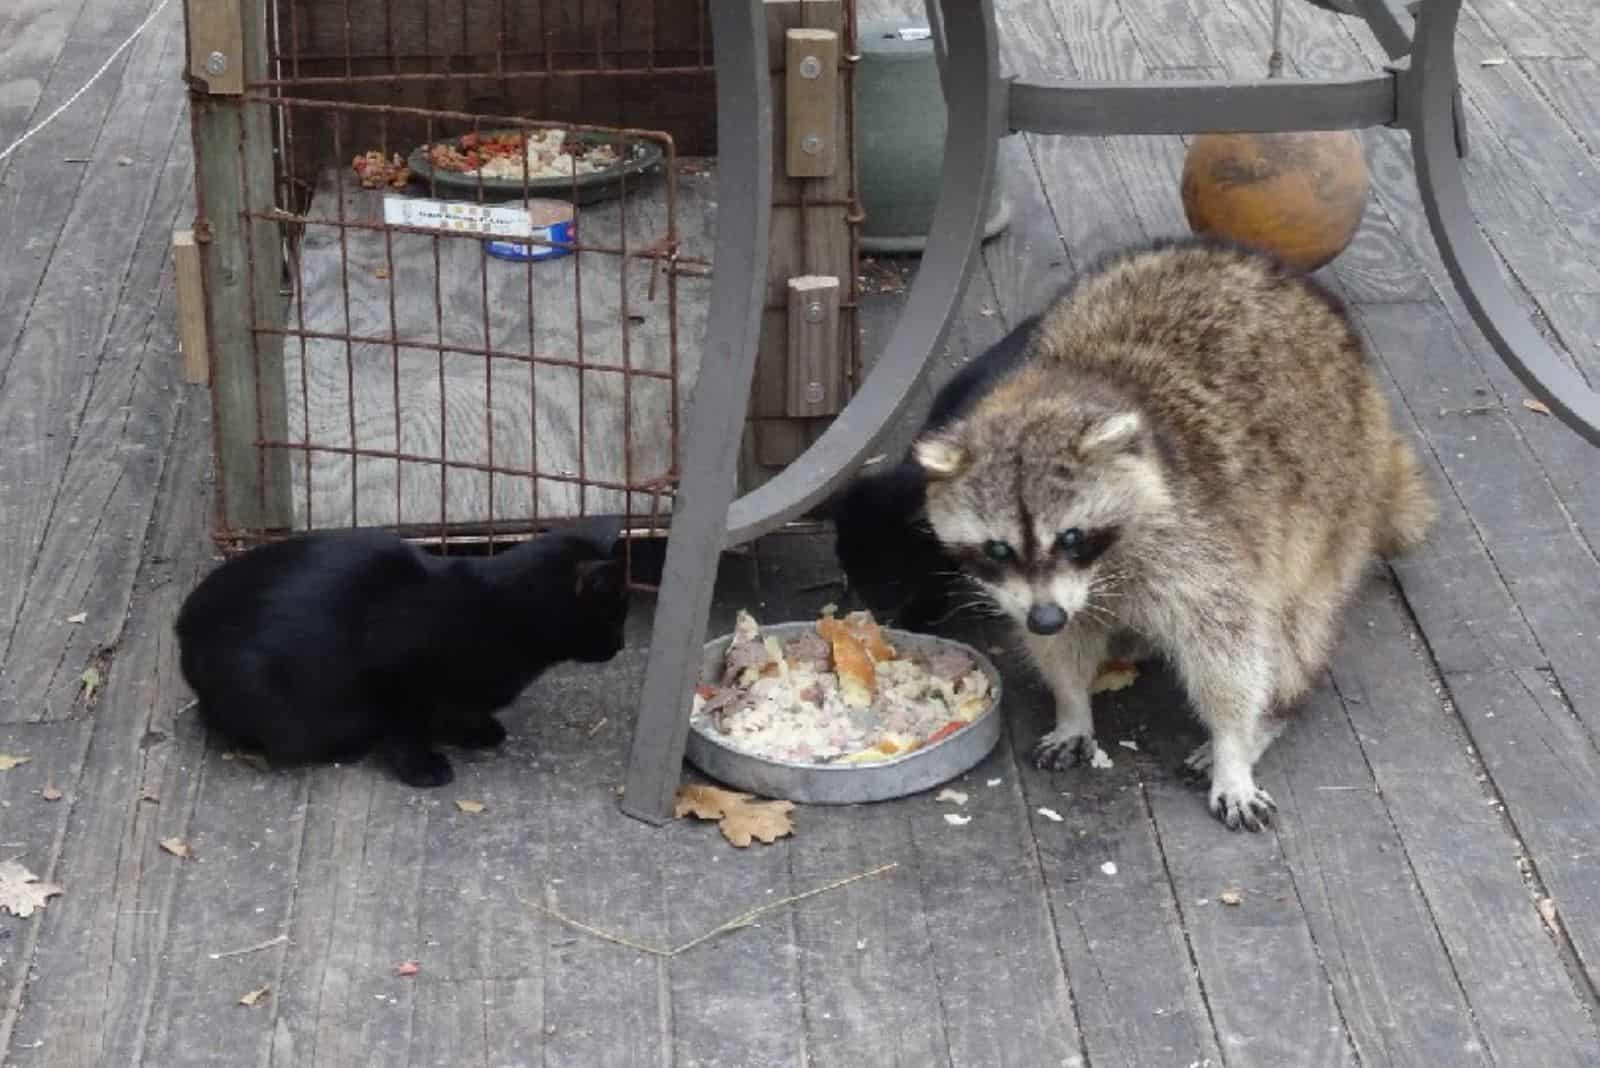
(1039, 507)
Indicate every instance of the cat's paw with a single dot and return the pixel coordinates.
(422, 768)
(484, 733)
(1060, 750)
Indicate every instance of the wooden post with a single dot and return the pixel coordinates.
(812, 83)
(814, 240)
(191, 308)
(241, 260)
(816, 366)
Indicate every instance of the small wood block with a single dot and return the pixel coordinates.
(216, 45)
(812, 82)
(191, 308)
(816, 365)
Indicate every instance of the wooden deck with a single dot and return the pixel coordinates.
(1431, 895)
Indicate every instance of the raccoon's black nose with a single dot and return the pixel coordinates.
(1046, 618)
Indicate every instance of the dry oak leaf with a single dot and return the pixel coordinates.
(7, 761)
(21, 891)
(740, 818)
(255, 995)
(1538, 407)
(1231, 897)
(471, 808)
(176, 846)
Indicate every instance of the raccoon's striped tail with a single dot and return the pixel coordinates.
(1409, 507)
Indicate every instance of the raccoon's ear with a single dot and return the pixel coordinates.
(1111, 433)
(940, 457)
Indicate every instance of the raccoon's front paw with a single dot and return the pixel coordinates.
(1060, 750)
(1243, 805)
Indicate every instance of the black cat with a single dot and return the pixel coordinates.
(329, 645)
(890, 558)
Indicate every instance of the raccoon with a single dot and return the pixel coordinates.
(1197, 451)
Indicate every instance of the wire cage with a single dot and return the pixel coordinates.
(456, 260)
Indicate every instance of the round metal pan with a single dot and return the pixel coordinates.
(643, 156)
(847, 784)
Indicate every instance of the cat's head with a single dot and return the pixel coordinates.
(600, 593)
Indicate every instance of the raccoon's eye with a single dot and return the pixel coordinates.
(998, 551)
(1084, 548)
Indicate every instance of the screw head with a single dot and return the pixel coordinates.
(811, 145)
(216, 63)
(813, 392)
(815, 312)
(811, 67)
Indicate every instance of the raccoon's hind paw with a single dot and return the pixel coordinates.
(1248, 806)
(1197, 765)
(1058, 751)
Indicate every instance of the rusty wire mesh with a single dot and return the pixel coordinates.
(429, 384)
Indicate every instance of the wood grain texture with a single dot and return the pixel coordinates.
(497, 411)
(189, 284)
(811, 80)
(1460, 847)
(74, 377)
(32, 36)
(816, 366)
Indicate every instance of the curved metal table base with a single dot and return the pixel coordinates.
(1421, 97)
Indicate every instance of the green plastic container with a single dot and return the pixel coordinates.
(900, 126)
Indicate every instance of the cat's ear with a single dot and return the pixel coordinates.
(598, 578)
(603, 533)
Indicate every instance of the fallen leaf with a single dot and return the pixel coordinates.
(1547, 913)
(1115, 675)
(176, 846)
(255, 995)
(1050, 814)
(81, 617)
(50, 793)
(1494, 61)
(7, 761)
(1231, 897)
(1109, 867)
(1100, 759)
(1129, 744)
(741, 818)
(381, 272)
(994, 782)
(471, 808)
(955, 796)
(407, 968)
(124, 161)
(956, 819)
(1535, 406)
(91, 682)
(21, 891)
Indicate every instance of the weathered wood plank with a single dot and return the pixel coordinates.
(1462, 851)
(38, 189)
(1270, 995)
(449, 403)
(1137, 995)
(1393, 977)
(44, 387)
(55, 754)
(106, 485)
(1548, 773)
(603, 1003)
(1544, 563)
(31, 38)
(96, 971)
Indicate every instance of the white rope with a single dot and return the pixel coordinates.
(73, 99)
